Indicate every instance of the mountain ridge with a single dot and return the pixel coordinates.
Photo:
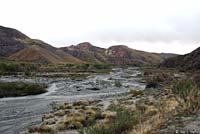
(14, 45)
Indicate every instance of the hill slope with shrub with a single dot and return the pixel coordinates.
(188, 61)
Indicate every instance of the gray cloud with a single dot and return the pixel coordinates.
(185, 29)
(158, 23)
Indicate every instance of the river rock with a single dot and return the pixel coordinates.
(94, 88)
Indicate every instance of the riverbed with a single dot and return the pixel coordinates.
(19, 113)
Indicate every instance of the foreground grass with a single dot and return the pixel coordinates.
(14, 89)
(189, 92)
(123, 122)
(145, 115)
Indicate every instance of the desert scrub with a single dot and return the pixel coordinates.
(190, 93)
(12, 67)
(46, 128)
(124, 121)
(156, 76)
(13, 89)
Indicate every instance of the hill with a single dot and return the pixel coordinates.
(38, 54)
(117, 55)
(123, 55)
(187, 61)
(16, 46)
(9, 41)
(86, 52)
(166, 55)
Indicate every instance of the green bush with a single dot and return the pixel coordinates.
(13, 89)
(10, 68)
(190, 93)
(182, 88)
(83, 66)
(27, 67)
(101, 66)
(118, 83)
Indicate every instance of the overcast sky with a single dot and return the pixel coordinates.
(150, 25)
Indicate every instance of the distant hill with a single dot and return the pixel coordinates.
(166, 55)
(187, 61)
(118, 55)
(122, 55)
(86, 52)
(16, 46)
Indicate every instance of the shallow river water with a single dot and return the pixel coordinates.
(19, 113)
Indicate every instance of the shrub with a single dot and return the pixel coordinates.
(61, 126)
(136, 92)
(101, 66)
(182, 88)
(152, 84)
(11, 67)
(190, 93)
(196, 79)
(118, 83)
(13, 89)
(161, 77)
(83, 66)
(45, 128)
(123, 122)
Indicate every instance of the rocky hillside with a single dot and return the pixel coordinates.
(123, 55)
(188, 61)
(118, 55)
(86, 52)
(9, 41)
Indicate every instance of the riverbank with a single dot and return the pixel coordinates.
(134, 111)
